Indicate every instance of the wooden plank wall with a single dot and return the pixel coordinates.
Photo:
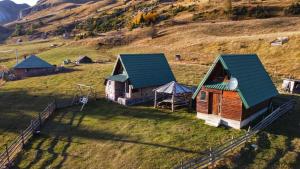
(231, 105)
(248, 112)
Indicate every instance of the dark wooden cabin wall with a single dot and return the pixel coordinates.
(248, 112)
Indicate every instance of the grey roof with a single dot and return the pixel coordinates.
(173, 87)
(33, 61)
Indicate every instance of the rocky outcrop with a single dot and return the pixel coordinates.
(9, 11)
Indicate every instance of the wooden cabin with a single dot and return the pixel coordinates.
(217, 103)
(135, 76)
(291, 85)
(83, 60)
(33, 66)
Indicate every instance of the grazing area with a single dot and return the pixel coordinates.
(108, 135)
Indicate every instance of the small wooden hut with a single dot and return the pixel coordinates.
(135, 76)
(33, 66)
(84, 59)
(291, 85)
(217, 103)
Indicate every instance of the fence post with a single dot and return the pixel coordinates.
(32, 126)
(40, 119)
(7, 155)
(211, 156)
(22, 136)
(181, 164)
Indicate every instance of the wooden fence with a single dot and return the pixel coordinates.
(11, 151)
(219, 152)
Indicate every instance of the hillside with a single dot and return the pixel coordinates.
(107, 135)
(86, 18)
(10, 11)
(4, 33)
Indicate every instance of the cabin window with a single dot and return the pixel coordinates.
(203, 96)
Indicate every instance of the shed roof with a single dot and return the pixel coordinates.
(33, 61)
(146, 70)
(255, 85)
(218, 86)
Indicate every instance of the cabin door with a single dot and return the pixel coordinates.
(214, 103)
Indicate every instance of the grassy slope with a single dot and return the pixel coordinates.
(116, 137)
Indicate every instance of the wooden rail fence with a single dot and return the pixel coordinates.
(11, 151)
(218, 153)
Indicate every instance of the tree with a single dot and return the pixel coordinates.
(18, 30)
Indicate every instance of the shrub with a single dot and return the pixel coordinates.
(19, 30)
(293, 9)
(259, 12)
(177, 10)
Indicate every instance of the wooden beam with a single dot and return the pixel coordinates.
(155, 99)
(173, 102)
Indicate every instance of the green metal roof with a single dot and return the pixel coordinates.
(146, 70)
(33, 61)
(254, 83)
(118, 78)
(218, 86)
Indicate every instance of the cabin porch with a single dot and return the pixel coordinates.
(118, 89)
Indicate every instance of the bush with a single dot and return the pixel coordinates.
(259, 12)
(177, 10)
(293, 9)
(19, 30)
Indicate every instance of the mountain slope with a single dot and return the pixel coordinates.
(45, 4)
(9, 11)
(4, 33)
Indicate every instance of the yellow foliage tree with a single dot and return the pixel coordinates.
(149, 17)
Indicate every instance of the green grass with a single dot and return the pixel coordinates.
(114, 136)
(106, 135)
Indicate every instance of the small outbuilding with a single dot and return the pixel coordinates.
(234, 92)
(33, 66)
(84, 59)
(291, 85)
(135, 76)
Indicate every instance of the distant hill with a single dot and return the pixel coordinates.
(45, 4)
(10, 11)
(4, 33)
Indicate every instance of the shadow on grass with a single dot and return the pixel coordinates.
(51, 150)
(18, 108)
(107, 110)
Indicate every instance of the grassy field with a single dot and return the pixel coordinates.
(106, 135)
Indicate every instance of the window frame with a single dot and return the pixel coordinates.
(205, 96)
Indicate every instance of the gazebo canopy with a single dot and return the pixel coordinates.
(173, 88)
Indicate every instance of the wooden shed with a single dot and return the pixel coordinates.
(135, 76)
(217, 103)
(33, 66)
(84, 59)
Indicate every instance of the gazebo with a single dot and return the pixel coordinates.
(174, 94)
